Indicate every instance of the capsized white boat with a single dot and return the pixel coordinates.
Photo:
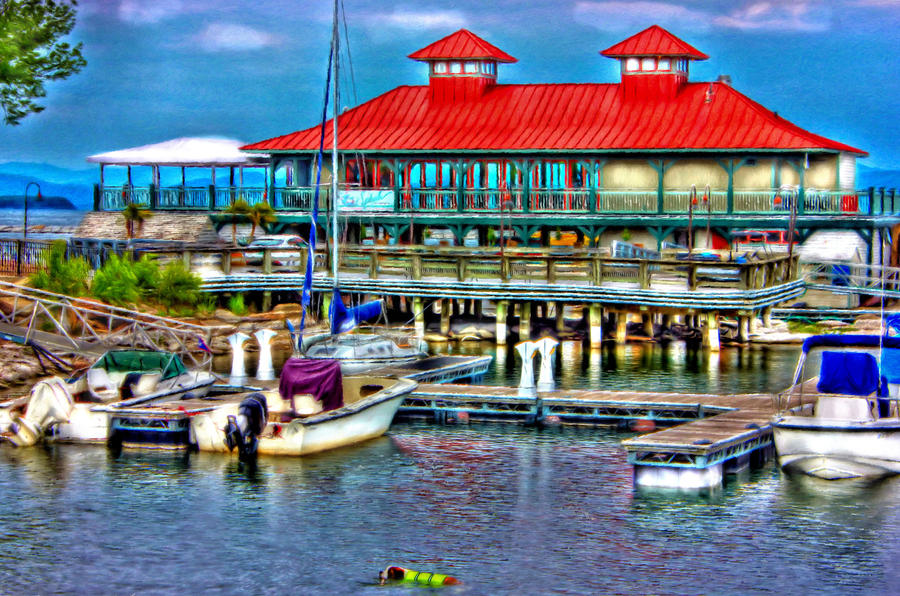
(119, 377)
(314, 409)
(839, 419)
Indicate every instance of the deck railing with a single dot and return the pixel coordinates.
(534, 200)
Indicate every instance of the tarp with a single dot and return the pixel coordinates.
(848, 373)
(141, 361)
(321, 378)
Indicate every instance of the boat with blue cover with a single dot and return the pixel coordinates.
(841, 416)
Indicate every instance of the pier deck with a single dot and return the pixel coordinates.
(709, 435)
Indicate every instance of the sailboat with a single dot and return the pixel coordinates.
(356, 352)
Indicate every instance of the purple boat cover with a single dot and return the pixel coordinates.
(321, 378)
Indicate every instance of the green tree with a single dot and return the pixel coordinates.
(239, 207)
(135, 213)
(260, 213)
(31, 52)
(115, 282)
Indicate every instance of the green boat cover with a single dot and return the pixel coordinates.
(141, 361)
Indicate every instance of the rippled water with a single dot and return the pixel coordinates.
(506, 509)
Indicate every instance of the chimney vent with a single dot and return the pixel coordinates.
(726, 79)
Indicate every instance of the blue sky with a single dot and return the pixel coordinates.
(254, 69)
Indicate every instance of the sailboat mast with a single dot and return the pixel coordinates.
(334, 149)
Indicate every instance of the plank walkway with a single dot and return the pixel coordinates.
(708, 429)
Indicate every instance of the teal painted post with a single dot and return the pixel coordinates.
(801, 194)
(592, 187)
(397, 170)
(153, 196)
(729, 197)
(893, 197)
(660, 166)
(881, 201)
(211, 197)
(460, 186)
(871, 206)
(526, 186)
(96, 197)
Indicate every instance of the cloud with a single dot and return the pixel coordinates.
(777, 16)
(747, 16)
(141, 12)
(636, 16)
(422, 19)
(228, 37)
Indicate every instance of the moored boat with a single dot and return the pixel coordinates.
(840, 417)
(119, 377)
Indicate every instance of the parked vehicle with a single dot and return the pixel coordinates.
(287, 250)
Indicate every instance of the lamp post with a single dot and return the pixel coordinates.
(25, 217)
(505, 204)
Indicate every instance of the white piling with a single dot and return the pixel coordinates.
(527, 351)
(264, 369)
(547, 347)
(236, 340)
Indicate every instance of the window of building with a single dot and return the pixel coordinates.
(440, 67)
(487, 67)
(664, 64)
(648, 64)
(456, 67)
(471, 67)
(632, 64)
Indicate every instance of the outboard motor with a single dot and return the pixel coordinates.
(243, 430)
(50, 403)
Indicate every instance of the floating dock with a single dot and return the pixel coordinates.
(707, 437)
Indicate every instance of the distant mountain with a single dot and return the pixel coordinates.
(867, 176)
(45, 202)
(42, 172)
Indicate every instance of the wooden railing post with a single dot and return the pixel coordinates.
(226, 262)
(551, 270)
(597, 270)
(644, 274)
(267, 261)
(692, 276)
(504, 268)
(373, 264)
(461, 267)
(417, 266)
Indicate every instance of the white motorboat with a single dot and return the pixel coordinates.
(315, 409)
(839, 419)
(118, 378)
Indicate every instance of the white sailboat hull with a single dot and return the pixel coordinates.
(360, 421)
(834, 449)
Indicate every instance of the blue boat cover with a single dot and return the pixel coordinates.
(890, 365)
(863, 341)
(345, 319)
(848, 373)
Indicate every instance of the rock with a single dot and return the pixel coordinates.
(435, 337)
(227, 316)
(830, 324)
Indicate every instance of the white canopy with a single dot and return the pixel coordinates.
(186, 151)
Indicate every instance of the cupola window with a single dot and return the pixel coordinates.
(471, 67)
(632, 64)
(440, 67)
(664, 64)
(456, 67)
(648, 64)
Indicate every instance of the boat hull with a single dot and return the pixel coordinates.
(348, 425)
(833, 449)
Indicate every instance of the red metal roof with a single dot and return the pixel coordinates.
(462, 44)
(654, 41)
(566, 117)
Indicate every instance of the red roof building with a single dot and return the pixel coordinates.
(638, 145)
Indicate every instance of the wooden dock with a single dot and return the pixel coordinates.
(707, 437)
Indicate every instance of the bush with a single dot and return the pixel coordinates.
(178, 285)
(236, 305)
(146, 271)
(116, 282)
(62, 275)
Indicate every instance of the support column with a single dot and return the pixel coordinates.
(752, 324)
(767, 316)
(596, 325)
(445, 316)
(524, 321)
(502, 310)
(711, 332)
(621, 327)
(647, 324)
(326, 305)
(267, 301)
(419, 316)
(560, 317)
(743, 328)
